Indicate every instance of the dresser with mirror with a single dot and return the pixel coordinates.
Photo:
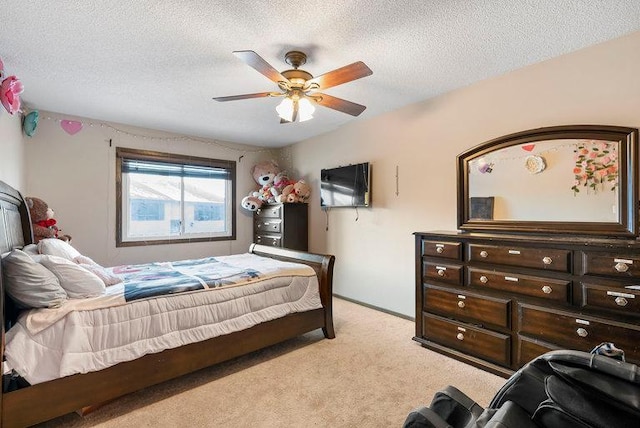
(546, 255)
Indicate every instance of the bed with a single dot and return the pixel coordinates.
(72, 392)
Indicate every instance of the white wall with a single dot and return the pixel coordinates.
(75, 175)
(375, 254)
(11, 150)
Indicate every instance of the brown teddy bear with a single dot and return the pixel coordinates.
(42, 221)
(264, 173)
(302, 191)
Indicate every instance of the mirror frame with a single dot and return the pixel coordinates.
(627, 225)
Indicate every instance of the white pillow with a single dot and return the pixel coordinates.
(57, 247)
(76, 280)
(29, 284)
(107, 277)
(31, 249)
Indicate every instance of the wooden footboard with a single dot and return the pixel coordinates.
(322, 264)
(48, 400)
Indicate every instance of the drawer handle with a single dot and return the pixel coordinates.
(621, 267)
(440, 272)
(547, 260)
(461, 304)
(483, 253)
(275, 241)
(259, 240)
(484, 279)
(258, 211)
(275, 227)
(439, 250)
(582, 332)
(621, 301)
(547, 290)
(274, 212)
(460, 336)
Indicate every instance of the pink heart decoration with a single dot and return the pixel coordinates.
(71, 127)
(528, 147)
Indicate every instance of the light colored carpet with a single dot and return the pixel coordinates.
(372, 374)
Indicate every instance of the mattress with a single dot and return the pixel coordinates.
(85, 335)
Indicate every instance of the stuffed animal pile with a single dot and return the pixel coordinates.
(42, 221)
(275, 187)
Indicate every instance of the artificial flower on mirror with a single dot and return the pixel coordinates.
(596, 164)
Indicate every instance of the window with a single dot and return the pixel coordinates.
(163, 198)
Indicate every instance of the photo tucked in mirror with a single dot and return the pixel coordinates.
(573, 180)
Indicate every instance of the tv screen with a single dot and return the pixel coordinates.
(346, 186)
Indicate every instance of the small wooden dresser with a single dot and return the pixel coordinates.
(499, 300)
(282, 225)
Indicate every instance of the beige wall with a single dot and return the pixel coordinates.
(11, 150)
(75, 175)
(375, 253)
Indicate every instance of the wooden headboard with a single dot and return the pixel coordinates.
(15, 232)
(15, 224)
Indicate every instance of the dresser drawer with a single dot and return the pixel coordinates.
(529, 349)
(265, 225)
(575, 331)
(451, 274)
(270, 211)
(271, 240)
(472, 340)
(546, 288)
(539, 258)
(611, 296)
(467, 306)
(618, 265)
(447, 250)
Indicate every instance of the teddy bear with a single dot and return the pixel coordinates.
(264, 173)
(42, 221)
(280, 182)
(287, 194)
(302, 191)
(251, 203)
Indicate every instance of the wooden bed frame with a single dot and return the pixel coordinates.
(44, 401)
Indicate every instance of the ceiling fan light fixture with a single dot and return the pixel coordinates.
(285, 109)
(305, 109)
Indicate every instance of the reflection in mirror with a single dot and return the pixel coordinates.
(554, 180)
(579, 179)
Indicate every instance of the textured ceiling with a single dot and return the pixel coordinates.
(157, 64)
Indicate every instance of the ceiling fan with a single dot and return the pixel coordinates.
(299, 87)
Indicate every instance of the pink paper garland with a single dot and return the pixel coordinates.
(71, 127)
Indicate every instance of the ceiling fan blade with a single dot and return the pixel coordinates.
(243, 97)
(283, 121)
(255, 61)
(339, 104)
(342, 75)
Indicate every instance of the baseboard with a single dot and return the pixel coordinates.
(377, 308)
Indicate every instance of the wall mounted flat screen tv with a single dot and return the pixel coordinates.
(346, 186)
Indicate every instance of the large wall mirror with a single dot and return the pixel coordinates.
(580, 179)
